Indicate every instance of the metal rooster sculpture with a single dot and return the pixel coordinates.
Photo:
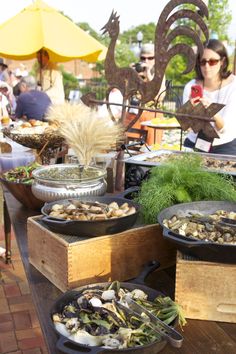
(127, 80)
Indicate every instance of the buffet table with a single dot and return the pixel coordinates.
(199, 336)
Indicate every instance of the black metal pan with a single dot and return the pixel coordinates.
(68, 346)
(209, 251)
(90, 228)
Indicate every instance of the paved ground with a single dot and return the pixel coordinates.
(20, 332)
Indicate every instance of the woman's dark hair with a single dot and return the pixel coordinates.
(220, 49)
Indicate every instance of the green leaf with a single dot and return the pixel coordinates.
(182, 195)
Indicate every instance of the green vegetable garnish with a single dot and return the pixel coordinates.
(21, 174)
(165, 309)
(182, 179)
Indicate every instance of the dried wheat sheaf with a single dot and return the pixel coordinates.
(84, 132)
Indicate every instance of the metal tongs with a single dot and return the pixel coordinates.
(223, 221)
(228, 222)
(171, 335)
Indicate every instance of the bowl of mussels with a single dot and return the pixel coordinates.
(204, 229)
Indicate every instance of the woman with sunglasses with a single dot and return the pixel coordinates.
(218, 86)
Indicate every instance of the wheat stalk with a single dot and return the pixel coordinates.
(84, 132)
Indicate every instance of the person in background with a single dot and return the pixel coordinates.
(219, 86)
(23, 69)
(50, 78)
(16, 82)
(147, 63)
(4, 75)
(31, 104)
(4, 103)
(145, 69)
(8, 99)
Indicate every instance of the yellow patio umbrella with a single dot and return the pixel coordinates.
(41, 26)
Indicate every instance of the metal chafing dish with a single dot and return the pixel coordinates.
(47, 185)
(137, 167)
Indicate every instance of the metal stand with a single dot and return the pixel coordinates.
(7, 232)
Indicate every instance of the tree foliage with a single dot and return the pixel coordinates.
(69, 81)
(220, 18)
(130, 36)
(86, 27)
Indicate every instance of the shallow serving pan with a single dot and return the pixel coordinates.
(68, 346)
(209, 251)
(90, 228)
(142, 159)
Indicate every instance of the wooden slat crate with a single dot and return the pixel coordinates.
(206, 290)
(69, 262)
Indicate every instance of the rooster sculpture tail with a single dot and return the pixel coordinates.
(127, 79)
(164, 35)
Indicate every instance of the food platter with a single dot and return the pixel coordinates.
(69, 345)
(91, 228)
(203, 249)
(162, 123)
(36, 141)
(38, 135)
(212, 162)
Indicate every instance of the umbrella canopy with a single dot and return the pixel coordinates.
(41, 26)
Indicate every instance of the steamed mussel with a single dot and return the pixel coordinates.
(84, 210)
(218, 227)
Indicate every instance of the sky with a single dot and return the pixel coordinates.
(97, 12)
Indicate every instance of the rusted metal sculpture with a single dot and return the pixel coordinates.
(127, 80)
(196, 123)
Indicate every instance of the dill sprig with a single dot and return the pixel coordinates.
(182, 179)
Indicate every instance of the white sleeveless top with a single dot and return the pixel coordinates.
(225, 95)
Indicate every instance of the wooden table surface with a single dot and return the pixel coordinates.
(200, 337)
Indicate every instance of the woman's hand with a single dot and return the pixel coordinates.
(195, 101)
(206, 103)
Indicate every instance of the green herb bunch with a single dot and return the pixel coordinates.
(165, 309)
(182, 179)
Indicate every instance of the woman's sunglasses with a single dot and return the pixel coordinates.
(211, 62)
(146, 58)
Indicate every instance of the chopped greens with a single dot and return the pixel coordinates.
(21, 174)
(94, 317)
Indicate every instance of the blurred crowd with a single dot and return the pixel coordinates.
(26, 96)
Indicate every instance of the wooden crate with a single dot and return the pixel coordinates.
(69, 262)
(206, 290)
